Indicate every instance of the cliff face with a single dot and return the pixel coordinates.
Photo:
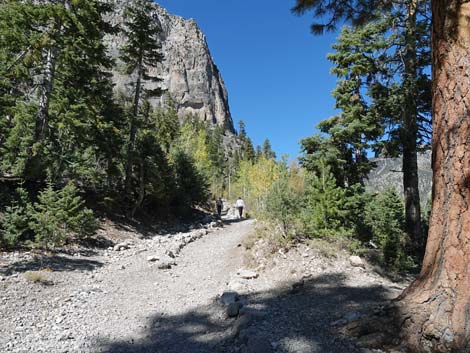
(188, 71)
(388, 172)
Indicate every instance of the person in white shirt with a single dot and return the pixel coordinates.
(240, 204)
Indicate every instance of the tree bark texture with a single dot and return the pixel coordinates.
(435, 309)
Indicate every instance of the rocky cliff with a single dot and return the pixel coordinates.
(388, 172)
(188, 71)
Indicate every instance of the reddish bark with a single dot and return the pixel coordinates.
(435, 309)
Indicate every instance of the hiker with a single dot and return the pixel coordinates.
(219, 204)
(240, 204)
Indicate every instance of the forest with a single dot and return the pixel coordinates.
(74, 150)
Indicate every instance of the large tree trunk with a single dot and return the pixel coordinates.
(133, 129)
(410, 134)
(435, 309)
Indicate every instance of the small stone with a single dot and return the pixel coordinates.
(153, 258)
(247, 274)
(121, 246)
(170, 253)
(165, 262)
(228, 298)
(233, 309)
(356, 261)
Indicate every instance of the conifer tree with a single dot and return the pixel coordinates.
(62, 50)
(267, 150)
(430, 315)
(140, 53)
(385, 59)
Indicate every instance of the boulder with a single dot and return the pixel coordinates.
(356, 261)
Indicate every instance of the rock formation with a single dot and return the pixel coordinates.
(388, 172)
(188, 71)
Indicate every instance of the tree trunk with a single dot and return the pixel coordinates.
(410, 134)
(435, 309)
(141, 196)
(47, 84)
(133, 130)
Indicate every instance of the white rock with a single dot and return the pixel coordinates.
(356, 261)
(153, 258)
(247, 274)
(121, 246)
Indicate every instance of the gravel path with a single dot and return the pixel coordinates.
(121, 302)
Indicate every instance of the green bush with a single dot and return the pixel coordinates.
(283, 206)
(14, 223)
(59, 215)
(324, 213)
(385, 217)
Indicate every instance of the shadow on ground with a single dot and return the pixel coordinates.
(55, 263)
(294, 319)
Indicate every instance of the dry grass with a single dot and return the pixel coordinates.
(39, 277)
(325, 247)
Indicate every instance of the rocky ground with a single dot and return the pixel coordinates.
(185, 292)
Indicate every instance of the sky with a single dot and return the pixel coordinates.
(275, 70)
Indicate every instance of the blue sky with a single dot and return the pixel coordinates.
(276, 72)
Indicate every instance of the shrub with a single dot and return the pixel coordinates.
(385, 217)
(283, 206)
(324, 213)
(37, 277)
(14, 224)
(60, 214)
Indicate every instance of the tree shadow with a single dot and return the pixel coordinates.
(58, 263)
(295, 317)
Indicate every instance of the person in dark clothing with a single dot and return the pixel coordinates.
(219, 204)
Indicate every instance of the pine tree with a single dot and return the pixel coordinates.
(323, 214)
(66, 55)
(267, 150)
(430, 315)
(384, 90)
(140, 53)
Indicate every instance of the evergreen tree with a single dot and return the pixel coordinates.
(140, 53)
(258, 152)
(66, 56)
(247, 151)
(385, 59)
(267, 150)
(385, 216)
(167, 125)
(323, 214)
(439, 284)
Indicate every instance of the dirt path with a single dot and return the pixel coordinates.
(120, 301)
